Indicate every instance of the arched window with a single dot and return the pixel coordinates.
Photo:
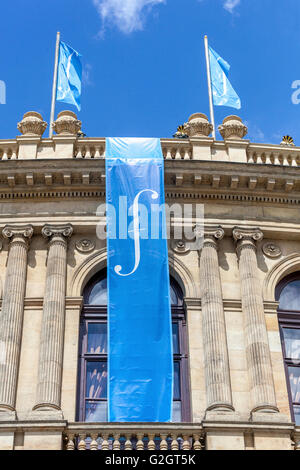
(92, 383)
(288, 295)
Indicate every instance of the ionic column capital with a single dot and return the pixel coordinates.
(212, 235)
(57, 232)
(247, 237)
(16, 233)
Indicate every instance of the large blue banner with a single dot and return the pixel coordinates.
(140, 363)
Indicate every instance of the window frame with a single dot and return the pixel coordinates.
(288, 319)
(99, 314)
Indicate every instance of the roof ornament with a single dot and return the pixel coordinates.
(288, 141)
(180, 134)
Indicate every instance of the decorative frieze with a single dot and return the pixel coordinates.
(11, 317)
(271, 250)
(257, 345)
(216, 361)
(85, 245)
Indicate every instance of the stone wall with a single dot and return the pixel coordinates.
(50, 250)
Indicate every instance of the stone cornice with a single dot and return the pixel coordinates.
(199, 180)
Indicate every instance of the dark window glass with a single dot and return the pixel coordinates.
(173, 296)
(288, 295)
(176, 415)
(95, 411)
(96, 380)
(175, 333)
(97, 338)
(297, 415)
(292, 343)
(294, 376)
(98, 294)
(92, 406)
(176, 391)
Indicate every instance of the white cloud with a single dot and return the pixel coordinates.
(86, 75)
(255, 134)
(127, 15)
(230, 5)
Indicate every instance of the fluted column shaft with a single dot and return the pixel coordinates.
(11, 317)
(216, 359)
(52, 334)
(256, 337)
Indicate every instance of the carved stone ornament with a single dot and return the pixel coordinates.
(271, 250)
(233, 128)
(180, 247)
(198, 126)
(254, 234)
(85, 245)
(57, 231)
(32, 124)
(214, 233)
(11, 230)
(67, 124)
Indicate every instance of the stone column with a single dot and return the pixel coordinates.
(11, 317)
(256, 337)
(52, 335)
(214, 331)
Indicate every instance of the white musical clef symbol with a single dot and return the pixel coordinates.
(136, 232)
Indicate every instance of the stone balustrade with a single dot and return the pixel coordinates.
(196, 144)
(90, 148)
(8, 150)
(273, 155)
(133, 436)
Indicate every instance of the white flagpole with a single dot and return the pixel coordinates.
(54, 85)
(211, 105)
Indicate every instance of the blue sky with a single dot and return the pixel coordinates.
(144, 63)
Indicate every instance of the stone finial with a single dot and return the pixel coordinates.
(67, 124)
(32, 124)
(233, 128)
(198, 126)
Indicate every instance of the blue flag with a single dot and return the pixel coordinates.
(69, 76)
(140, 355)
(223, 92)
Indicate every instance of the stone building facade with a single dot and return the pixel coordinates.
(240, 385)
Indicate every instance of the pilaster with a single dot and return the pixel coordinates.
(217, 373)
(11, 317)
(257, 346)
(48, 400)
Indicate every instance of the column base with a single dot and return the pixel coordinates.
(270, 416)
(223, 416)
(46, 414)
(7, 415)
